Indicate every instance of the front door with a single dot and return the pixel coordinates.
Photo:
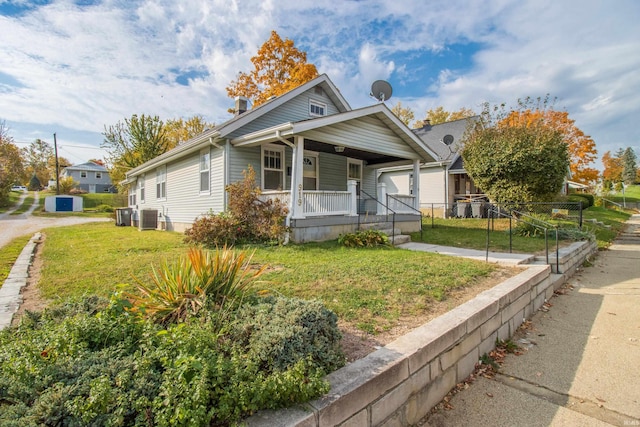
(310, 171)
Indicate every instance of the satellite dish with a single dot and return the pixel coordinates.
(447, 139)
(381, 90)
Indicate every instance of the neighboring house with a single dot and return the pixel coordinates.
(307, 147)
(90, 177)
(443, 182)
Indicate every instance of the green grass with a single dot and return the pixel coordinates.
(631, 194)
(14, 196)
(9, 254)
(370, 288)
(26, 204)
(614, 218)
(472, 233)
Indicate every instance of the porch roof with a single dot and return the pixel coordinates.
(371, 133)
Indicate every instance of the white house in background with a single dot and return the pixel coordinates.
(91, 177)
(308, 147)
(443, 182)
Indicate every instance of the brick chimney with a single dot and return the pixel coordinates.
(242, 105)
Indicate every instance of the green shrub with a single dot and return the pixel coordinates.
(575, 198)
(590, 197)
(104, 208)
(531, 226)
(367, 238)
(81, 364)
(281, 331)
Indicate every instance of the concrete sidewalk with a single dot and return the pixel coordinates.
(581, 358)
(493, 257)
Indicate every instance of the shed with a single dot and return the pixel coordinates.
(63, 203)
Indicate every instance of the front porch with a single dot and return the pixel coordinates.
(325, 215)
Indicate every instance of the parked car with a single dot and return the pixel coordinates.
(19, 188)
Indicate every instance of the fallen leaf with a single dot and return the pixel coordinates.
(489, 394)
(600, 400)
(613, 314)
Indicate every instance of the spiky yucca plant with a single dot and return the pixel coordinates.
(180, 289)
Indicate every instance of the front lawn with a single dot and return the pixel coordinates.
(369, 288)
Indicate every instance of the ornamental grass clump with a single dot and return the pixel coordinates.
(181, 289)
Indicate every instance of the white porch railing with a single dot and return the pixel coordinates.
(401, 203)
(316, 203)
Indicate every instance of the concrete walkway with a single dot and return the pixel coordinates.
(581, 357)
(493, 257)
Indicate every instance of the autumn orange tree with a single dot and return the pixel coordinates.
(440, 115)
(612, 166)
(278, 67)
(582, 148)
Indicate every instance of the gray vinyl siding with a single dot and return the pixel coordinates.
(333, 172)
(184, 203)
(295, 110)
(369, 183)
(240, 158)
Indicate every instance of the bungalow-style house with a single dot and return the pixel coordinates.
(91, 177)
(308, 147)
(444, 182)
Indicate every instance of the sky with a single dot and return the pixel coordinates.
(72, 67)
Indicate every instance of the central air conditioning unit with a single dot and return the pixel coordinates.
(148, 219)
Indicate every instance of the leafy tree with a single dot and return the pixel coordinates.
(134, 142)
(612, 166)
(629, 166)
(36, 159)
(515, 158)
(11, 169)
(405, 114)
(440, 115)
(582, 148)
(180, 130)
(278, 68)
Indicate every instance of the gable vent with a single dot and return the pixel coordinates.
(318, 91)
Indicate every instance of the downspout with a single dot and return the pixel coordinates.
(287, 220)
(446, 189)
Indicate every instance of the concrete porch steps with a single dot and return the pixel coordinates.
(395, 234)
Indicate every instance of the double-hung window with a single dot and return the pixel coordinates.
(205, 169)
(83, 174)
(98, 175)
(272, 167)
(141, 188)
(132, 195)
(161, 182)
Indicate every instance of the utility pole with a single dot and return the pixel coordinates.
(55, 144)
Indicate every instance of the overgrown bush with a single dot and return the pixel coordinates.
(105, 208)
(575, 198)
(365, 238)
(531, 225)
(91, 364)
(248, 219)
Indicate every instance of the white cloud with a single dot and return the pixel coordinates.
(83, 67)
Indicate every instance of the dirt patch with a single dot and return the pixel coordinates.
(355, 343)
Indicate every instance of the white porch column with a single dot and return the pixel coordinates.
(297, 197)
(382, 197)
(352, 188)
(416, 184)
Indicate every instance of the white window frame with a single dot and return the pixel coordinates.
(83, 174)
(321, 105)
(141, 185)
(161, 183)
(132, 195)
(98, 175)
(204, 170)
(263, 168)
